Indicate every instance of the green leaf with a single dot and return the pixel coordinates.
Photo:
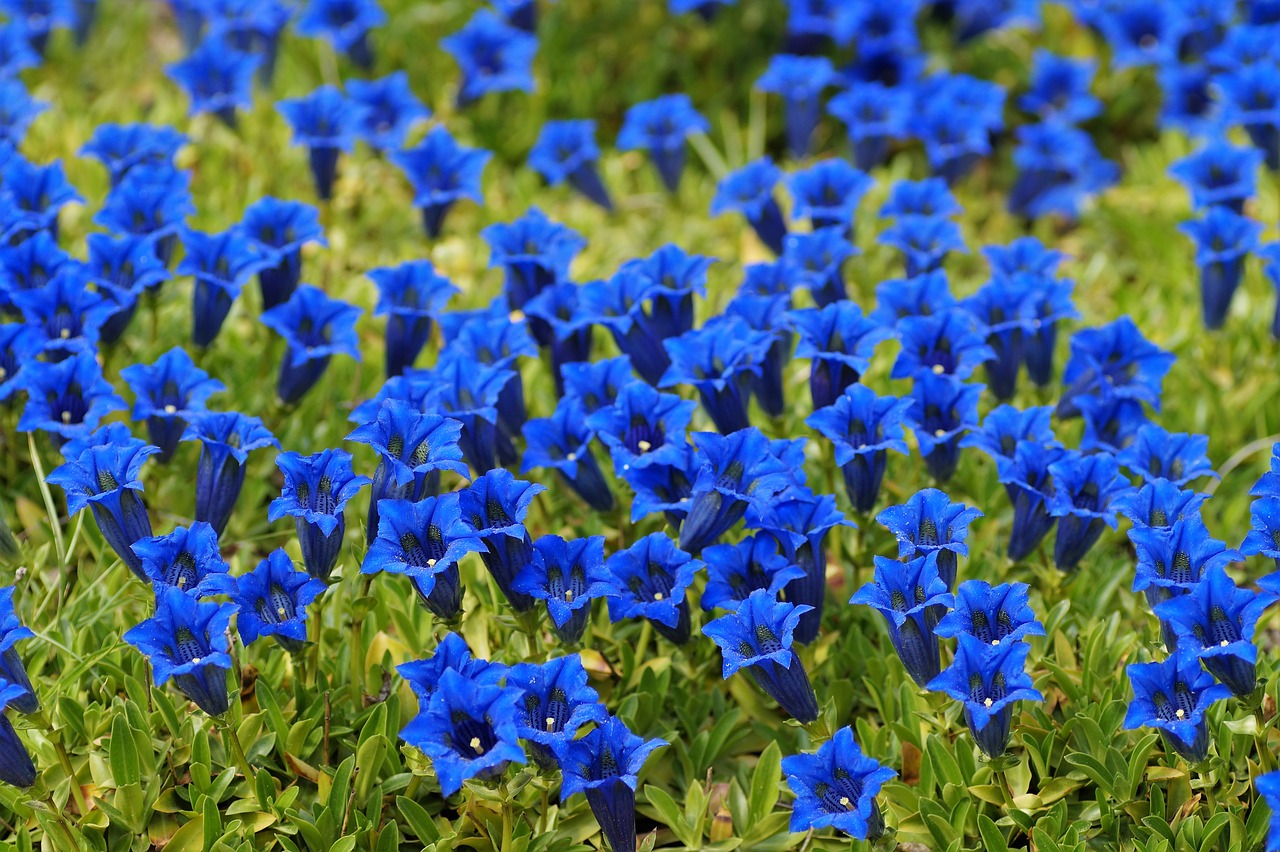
(123, 754)
(668, 811)
(765, 779)
(341, 788)
(419, 821)
(189, 838)
(992, 838)
(389, 838)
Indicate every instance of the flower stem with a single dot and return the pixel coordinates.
(60, 819)
(58, 546)
(1260, 739)
(232, 741)
(65, 760)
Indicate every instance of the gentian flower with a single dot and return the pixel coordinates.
(325, 122)
(1023, 256)
(315, 328)
(1252, 99)
(604, 765)
(664, 486)
(217, 78)
(278, 230)
(650, 580)
(1215, 622)
(676, 277)
(837, 787)
(799, 521)
(390, 110)
(758, 637)
(469, 392)
(596, 384)
(1264, 537)
(316, 491)
(66, 313)
(67, 398)
(273, 600)
(221, 265)
(993, 614)
(720, 361)
(150, 202)
(30, 265)
(186, 642)
(750, 191)
(557, 703)
(661, 127)
(989, 679)
(943, 407)
(493, 57)
(1006, 308)
(1174, 559)
(1219, 174)
(924, 241)
(912, 598)
(534, 253)
(1157, 454)
(1173, 697)
(815, 24)
(1113, 360)
(828, 192)
(254, 26)
(346, 25)
(16, 767)
(494, 505)
(120, 147)
(563, 442)
(122, 269)
(568, 576)
(1188, 104)
(954, 139)
(519, 13)
(12, 669)
(34, 195)
(441, 172)
(17, 110)
(451, 654)
(1083, 487)
(922, 296)
(930, 197)
(738, 470)
(1058, 169)
(1110, 424)
(800, 81)
(468, 729)
(1060, 88)
(424, 540)
(737, 570)
(642, 426)
(39, 18)
(189, 16)
(413, 449)
(226, 439)
(816, 260)
(874, 115)
(19, 345)
(863, 427)
(186, 559)
(555, 313)
(496, 339)
(930, 523)
(1005, 427)
(1027, 479)
(1051, 302)
(1268, 787)
(16, 53)
(1158, 503)
(767, 313)
(566, 150)
(1140, 34)
(951, 343)
(1223, 240)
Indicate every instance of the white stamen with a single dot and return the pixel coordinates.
(182, 582)
(938, 369)
(431, 563)
(195, 660)
(1224, 643)
(572, 457)
(551, 724)
(171, 409)
(938, 433)
(626, 467)
(65, 333)
(657, 596)
(987, 702)
(995, 641)
(644, 446)
(66, 417)
(280, 611)
(844, 802)
(568, 594)
(1180, 713)
(475, 744)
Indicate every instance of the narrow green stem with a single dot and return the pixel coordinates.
(414, 784)
(60, 819)
(232, 740)
(49, 507)
(1006, 791)
(1260, 740)
(642, 648)
(65, 760)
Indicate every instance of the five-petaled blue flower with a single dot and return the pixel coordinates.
(568, 576)
(650, 579)
(326, 122)
(567, 151)
(315, 494)
(273, 600)
(346, 24)
(912, 598)
(278, 230)
(188, 559)
(494, 506)
(226, 439)
(557, 702)
(315, 328)
(994, 614)
(217, 79)
(661, 127)
(989, 679)
(837, 787)
(186, 641)
(493, 57)
(750, 191)
(736, 471)
(1173, 697)
(12, 670)
(441, 172)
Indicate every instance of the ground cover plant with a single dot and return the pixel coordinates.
(547, 426)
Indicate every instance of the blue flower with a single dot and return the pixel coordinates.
(1141, 34)
(1173, 560)
(989, 680)
(555, 313)
(16, 767)
(151, 202)
(494, 506)
(254, 26)
(65, 312)
(186, 559)
(650, 580)
(664, 486)
(1268, 787)
(468, 729)
(828, 192)
(994, 614)
(922, 296)
(470, 392)
(661, 127)
(800, 81)
(346, 24)
(534, 253)
(496, 339)
(1007, 310)
(66, 399)
(930, 523)
(1158, 503)
(596, 384)
(1223, 240)
(413, 449)
(1029, 484)
(17, 110)
(1157, 454)
(557, 702)
(1005, 427)
(451, 654)
(912, 598)
(749, 190)
(390, 110)
(563, 442)
(30, 265)
(924, 241)
(226, 439)
(799, 521)
(1051, 304)
(816, 260)
(221, 264)
(930, 197)
(122, 269)
(315, 328)
(1219, 173)
(120, 147)
(1187, 104)
(34, 196)
(676, 277)
(1110, 423)
(943, 407)
(273, 600)
(1114, 360)
(1264, 537)
(519, 13)
(186, 642)
(767, 313)
(278, 230)
(441, 172)
(12, 669)
(951, 343)
(719, 360)
(19, 345)
(315, 494)
(737, 470)
(1023, 256)
(217, 78)
(567, 151)
(837, 787)
(37, 19)
(604, 766)
(954, 139)
(874, 115)
(642, 426)
(1083, 487)
(737, 570)
(1173, 697)
(1060, 88)
(16, 53)
(758, 636)
(1058, 169)
(567, 576)
(815, 24)
(325, 122)
(863, 427)
(1252, 98)
(493, 57)
(424, 540)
